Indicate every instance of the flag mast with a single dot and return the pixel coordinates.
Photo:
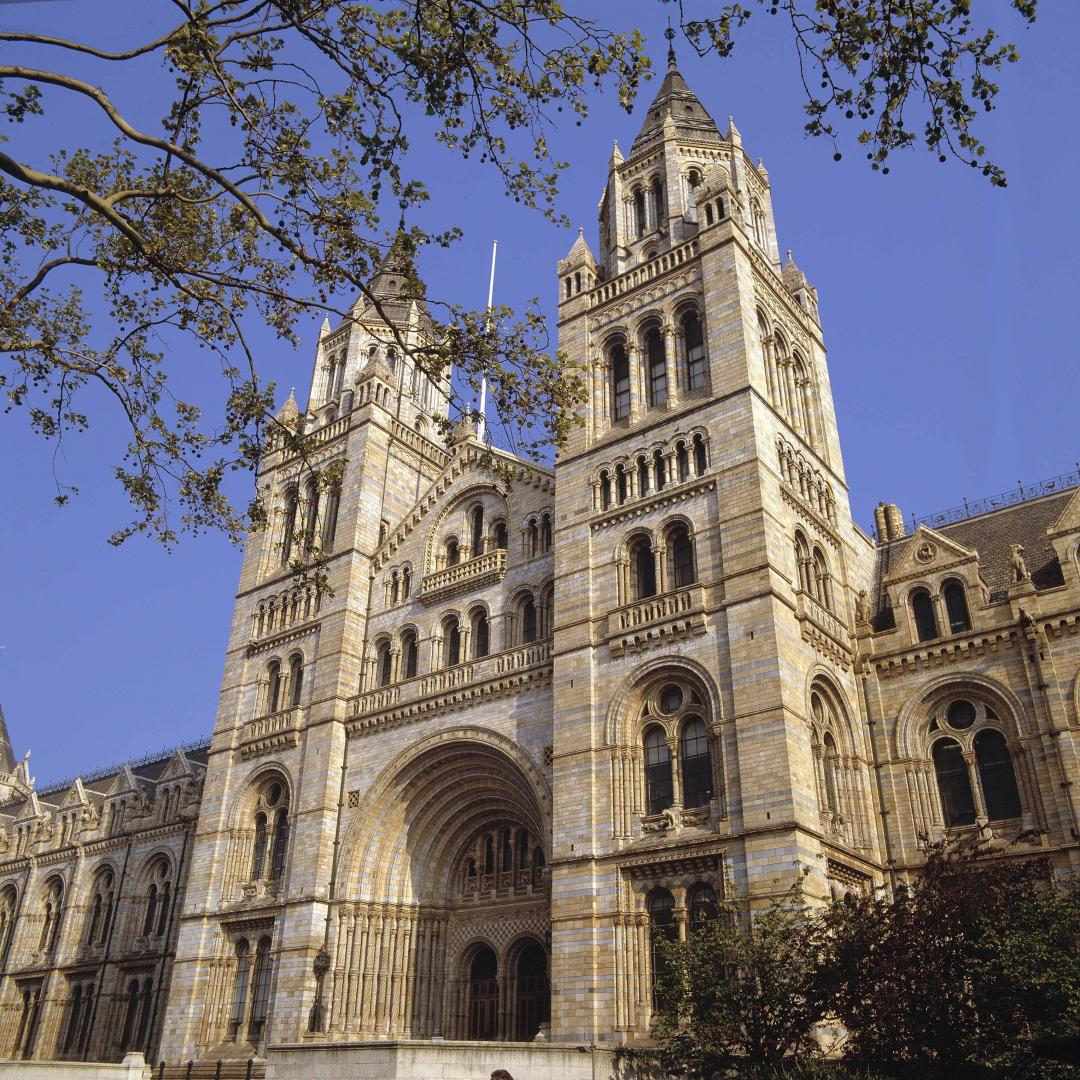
(481, 425)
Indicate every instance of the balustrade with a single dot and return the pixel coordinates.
(491, 566)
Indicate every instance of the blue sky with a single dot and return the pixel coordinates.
(946, 304)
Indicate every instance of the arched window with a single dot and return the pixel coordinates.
(639, 212)
(680, 547)
(620, 484)
(829, 764)
(330, 515)
(453, 552)
(410, 653)
(656, 368)
(954, 785)
(384, 663)
(406, 583)
(501, 536)
(480, 635)
(642, 569)
(394, 588)
(694, 346)
(273, 686)
(996, 776)
(620, 383)
(803, 563)
(682, 461)
(534, 539)
(577, 281)
(660, 469)
(822, 579)
(54, 912)
(8, 901)
(658, 200)
(545, 532)
(956, 607)
(451, 641)
(643, 475)
(311, 514)
(476, 520)
(74, 1012)
(568, 286)
(483, 996)
(605, 490)
(292, 510)
(144, 1014)
(391, 358)
(271, 830)
(260, 991)
(156, 914)
(700, 458)
(922, 611)
(695, 762)
(296, 680)
(131, 1012)
(529, 631)
(241, 979)
(704, 906)
(658, 783)
(760, 228)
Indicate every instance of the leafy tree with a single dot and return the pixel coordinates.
(278, 177)
(738, 996)
(960, 971)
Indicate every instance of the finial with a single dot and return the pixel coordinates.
(669, 33)
(581, 232)
(790, 257)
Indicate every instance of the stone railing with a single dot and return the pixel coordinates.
(679, 613)
(271, 732)
(647, 271)
(454, 678)
(275, 440)
(810, 610)
(420, 443)
(483, 570)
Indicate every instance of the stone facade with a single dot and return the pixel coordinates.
(542, 716)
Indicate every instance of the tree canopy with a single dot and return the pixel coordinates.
(277, 175)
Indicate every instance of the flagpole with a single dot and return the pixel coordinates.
(481, 427)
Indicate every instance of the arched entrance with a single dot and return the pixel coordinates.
(483, 995)
(532, 993)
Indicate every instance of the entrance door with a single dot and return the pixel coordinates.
(533, 996)
(483, 996)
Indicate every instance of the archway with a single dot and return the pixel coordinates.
(483, 1020)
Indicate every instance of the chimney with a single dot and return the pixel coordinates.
(889, 522)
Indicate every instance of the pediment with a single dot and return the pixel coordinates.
(1069, 521)
(76, 795)
(123, 783)
(927, 552)
(31, 809)
(472, 465)
(178, 768)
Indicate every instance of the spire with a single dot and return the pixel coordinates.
(676, 100)
(7, 755)
(325, 328)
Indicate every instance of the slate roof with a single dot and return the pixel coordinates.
(990, 534)
(675, 98)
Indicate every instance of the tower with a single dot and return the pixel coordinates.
(263, 868)
(705, 733)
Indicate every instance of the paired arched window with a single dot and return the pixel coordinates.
(291, 516)
(659, 210)
(527, 618)
(158, 895)
(452, 552)
(655, 368)
(101, 908)
(80, 1009)
(251, 983)
(676, 713)
(640, 223)
(330, 515)
(500, 535)
(973, 765)
(271, 832)
(53, 913)
(476, 527)
(138, 1005)
(694, 349)
(662, 927)
(761, 230)
(703, 906)
(296, 680)
(922, 612)
(620, 383)
(273, 686)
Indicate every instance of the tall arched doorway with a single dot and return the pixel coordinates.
(532, 993)
(483, 995)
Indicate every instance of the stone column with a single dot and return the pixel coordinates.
(671, 366)
(676, 777)
(637, 399)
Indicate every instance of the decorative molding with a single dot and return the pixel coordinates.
(678, 615)
(664, 497)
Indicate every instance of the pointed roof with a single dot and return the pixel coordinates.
(7, 755)
(676, 100)
(579, 253)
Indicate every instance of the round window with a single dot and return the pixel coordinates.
(961, 715)
(671, 697)
(273, 793)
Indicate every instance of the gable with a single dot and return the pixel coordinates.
(928, 552)
(1069, 519)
